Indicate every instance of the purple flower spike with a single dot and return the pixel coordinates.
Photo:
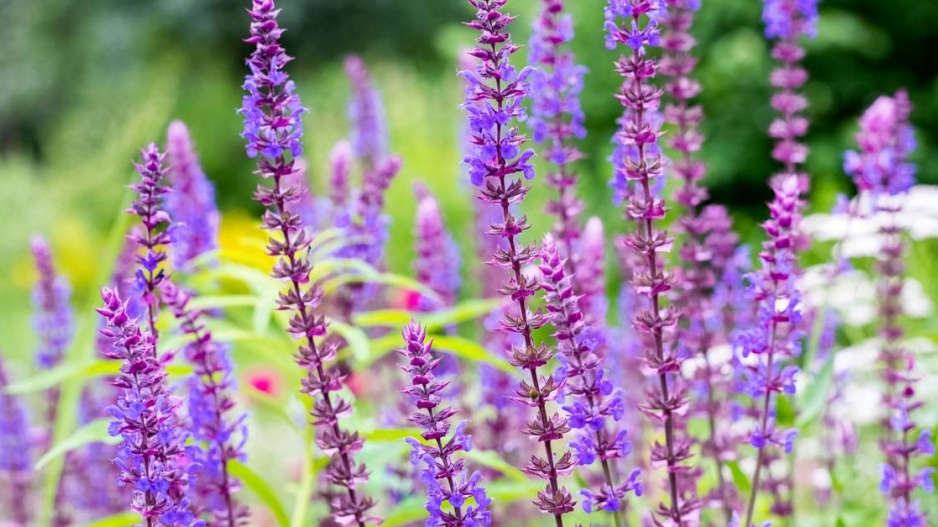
(494, 96)
(220, 436)
(786, 21)
(437, 262)
(340, 163)
(444, 474)
(53, 320)
(592, 270)
(154, 238)
(881, 170)
(273, 130)
(366, 114)
(639, 167)
(191, 204)
(16, 466)
(775, 336)
(150, 456)
(557, 119)
(596, 408)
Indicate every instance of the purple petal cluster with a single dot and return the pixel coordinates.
(775, 335)
(557, 119)
(437, 261)
(220, 436)
(881, 169)
(53, 320)
(366, 113)
(191, 204)
(595, 408)
(494, 95)
(444, 474)
(592, 274)
(785, 21)
(640, 164)
(148, 206)
(150, 456)
(16, 447)
(272, 113)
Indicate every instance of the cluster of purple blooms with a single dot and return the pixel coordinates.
(576, 395)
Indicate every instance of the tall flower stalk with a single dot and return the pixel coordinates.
(151, 450)
(557, 119)
(775, 336)
(640, 164)
(191, 204)
(273, 131)
(53, 320)
(15, 454)
(444, 474)
(220, 435)
(494, 94)
(155, 237)
(882, 172)
(437, 260)
(596, 407)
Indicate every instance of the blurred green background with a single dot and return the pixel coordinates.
(84, 84)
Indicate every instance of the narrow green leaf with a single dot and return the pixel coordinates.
(263, 490)
(93, 432)
(739, 478)
(124, 519)
(814, 396)
(394, 280)
(223, 301)
(434, 320)
(390, 435)
(51, 378)
(491, 459)
(472, 351)
(841, 522)
(356, 339)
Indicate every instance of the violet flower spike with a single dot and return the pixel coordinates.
(641, 163)
(219, 435)
(592, 270)
(881, 170)
(595, 408)
(366, 115)
(494, 95)
(438, 259)
(151, 448)
(53, 320)
(444, 474)
(16, 467)
(191, 204)
(557, 120)
(273, 131)
(776, 335)
(155, 236)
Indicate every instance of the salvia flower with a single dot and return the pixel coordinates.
(220, 435)
(15, 454)
(640, 163)
(444, 474)
(154, 238)
(775, 335)
(494, 95)
(592, 274)
(594, 407)
(366, 114)
(272, 128)
(557, 119)
(881, 169)
(191, 204)
(786, 21)
(53, 319)
(151, 450)
(437, 261)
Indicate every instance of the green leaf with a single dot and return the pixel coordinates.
(815, 395)
(356, 339)
(93, 432)
(263, 490)
(394, 280)
(124, 519)
(389, 435)
(739, 478)
(79, 371)
(274, 405)
(223, 301)
(472, 351)
(491, 459)
(841, 522)
(434, 320)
